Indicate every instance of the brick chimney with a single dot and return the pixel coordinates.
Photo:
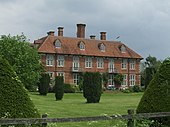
(60, 31)
(50, 33)
(81, 30)
(92, 37)
(102, 35)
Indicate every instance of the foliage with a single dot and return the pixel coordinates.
(105, 79)
(118, 79)
(68, 88)
(14, 99)
(92, 87)
(157, 95)
(43, 85)
(23, 58)
(59, 87)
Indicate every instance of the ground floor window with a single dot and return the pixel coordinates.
(51, 74)
(61, 74)
(124, 83)
(132, 80)
(76, 78)
(111, 79)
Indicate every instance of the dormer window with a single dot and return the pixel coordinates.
(57, 44)
(81, 46)
(123, 49)
(102, 47)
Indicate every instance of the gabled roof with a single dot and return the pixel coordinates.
(70, 46)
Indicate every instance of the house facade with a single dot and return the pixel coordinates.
(71, 56)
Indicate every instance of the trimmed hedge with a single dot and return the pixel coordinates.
(92, 87)
(59, 87)
(157, 95)
(43, 85)
(14, 99)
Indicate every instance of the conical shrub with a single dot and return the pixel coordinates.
(157, 95)
(14, 99)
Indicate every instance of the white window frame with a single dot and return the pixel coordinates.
(132, 64)
(51, 74)
(76, 63)
(102, 47)
(111, 65)
(132, 79)
(123, 49)
(57, 44)
(82, 46)
(124, 64)
(60, 60)
(111, 79)
(49, 60)
(61, 74)
(100, 62)
(75, 78)
(88, 62)
(124, 83)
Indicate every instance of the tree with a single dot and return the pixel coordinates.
(157, 95)
(14, 98)
(92, 87)
(150, 67)
(23, 58)
(118, 79)
(43, 85)
(59, 87)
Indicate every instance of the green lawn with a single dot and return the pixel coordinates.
(73, 105)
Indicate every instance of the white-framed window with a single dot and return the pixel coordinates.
(124, 63)
(111, 79)
(132, 64)
(111, 65)
(82, 46)
(100, 63)
(60, 60)
(88, 62)
(132, 79)
(124, 80)
(51, 74)
(76, 78)
(123, 49)
(76, 63)
(49, 60)
(102, 47)
(57, 44)
(61, 74)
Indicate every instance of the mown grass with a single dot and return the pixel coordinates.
(74, 105)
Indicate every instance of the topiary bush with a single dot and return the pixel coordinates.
(92, 87)
(43, 85)
(59, 87)
(157, 95)
(14, 98)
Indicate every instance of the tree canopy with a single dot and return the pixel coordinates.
(23, 58)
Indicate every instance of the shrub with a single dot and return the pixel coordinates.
(14, 98)
(92, 87)
(68, 88)
(59, 87)
(157, 95)
(136, 88)
(43, 85)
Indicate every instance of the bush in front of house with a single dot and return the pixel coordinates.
(14, 99)
(157, 95)
(68, 88)
(43, 85)
(59, 87)
(92, 87)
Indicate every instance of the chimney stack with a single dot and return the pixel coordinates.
(60, 31)
(102, 35)
(81, 30)
(92, 37)
(50, 33)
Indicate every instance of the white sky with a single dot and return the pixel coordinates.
(143, 25)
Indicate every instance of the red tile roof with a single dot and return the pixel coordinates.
(70, 46)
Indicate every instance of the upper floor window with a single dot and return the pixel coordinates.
(124, 63)
(123, 49)
(111, 65)
(102, 47)
(49, 60)
(57, 44)
(60, 61)
(88, 62)
(132, 80)
(132, 64)
(100, 63)
(81, 46)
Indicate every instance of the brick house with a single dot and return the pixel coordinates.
(70, 56)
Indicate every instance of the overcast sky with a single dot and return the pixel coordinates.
(143, 25)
